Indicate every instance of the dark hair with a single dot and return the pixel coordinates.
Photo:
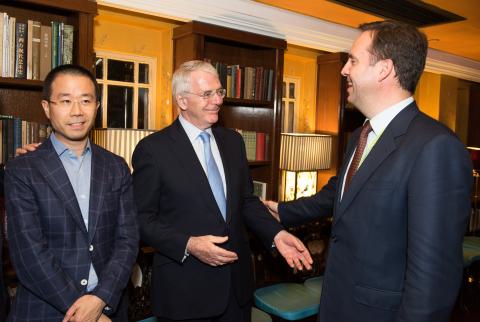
(69, 70)
(404, 44)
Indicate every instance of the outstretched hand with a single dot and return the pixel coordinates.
(293, 250)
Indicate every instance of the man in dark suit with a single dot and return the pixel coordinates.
(194, 197)
(73, 236)
(399, 217)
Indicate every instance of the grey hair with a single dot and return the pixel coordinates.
(181, 76)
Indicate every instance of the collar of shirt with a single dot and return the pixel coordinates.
(380, 121)
(192, 131)
(61, 148)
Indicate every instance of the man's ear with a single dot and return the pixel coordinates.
(46, 108)
(181, 101)
(386, 69)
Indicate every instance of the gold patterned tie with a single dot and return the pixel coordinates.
(362, 142)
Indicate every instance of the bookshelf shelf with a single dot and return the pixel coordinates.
(260, 62)
(8, 82)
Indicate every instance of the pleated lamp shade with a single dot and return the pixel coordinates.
(119, 141)
(305, 152)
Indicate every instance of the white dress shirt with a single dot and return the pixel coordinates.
(379, 123)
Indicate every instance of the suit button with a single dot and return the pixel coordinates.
(90, 248)
(83, 282)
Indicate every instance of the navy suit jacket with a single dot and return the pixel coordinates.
(396, 242)
(174, 202)
(50, 247)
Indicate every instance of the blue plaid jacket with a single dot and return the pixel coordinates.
(50, 247)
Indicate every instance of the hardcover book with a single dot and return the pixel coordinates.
(20, 49)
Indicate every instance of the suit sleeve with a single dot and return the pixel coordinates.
(438, 209)
(115, 275)
(306, 209)
(155, 231)
(256, 215)
(36, 267)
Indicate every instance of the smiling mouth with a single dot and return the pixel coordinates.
(76, 124)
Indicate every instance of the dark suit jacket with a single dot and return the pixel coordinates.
(396, 242)
(174, 202)
(50, 247)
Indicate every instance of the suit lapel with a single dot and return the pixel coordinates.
(187, 158)
(385, 146)
(98, 183)
(52, 169)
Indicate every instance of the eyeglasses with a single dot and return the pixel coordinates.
(211, 94)
(83, 102)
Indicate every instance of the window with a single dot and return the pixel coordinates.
(127, 87)
(290, 92)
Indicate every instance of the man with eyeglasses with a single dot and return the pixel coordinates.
(72, 229)
(194, 198)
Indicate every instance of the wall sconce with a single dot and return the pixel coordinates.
(301, 155)
(119, 141)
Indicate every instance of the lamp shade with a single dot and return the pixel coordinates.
(119, 141)
(475, 156)
(305, 152)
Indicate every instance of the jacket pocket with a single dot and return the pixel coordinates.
(382, 299)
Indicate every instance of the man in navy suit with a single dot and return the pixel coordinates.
(194, 197)
(72, 228)
(399, 215)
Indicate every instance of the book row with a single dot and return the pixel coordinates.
(255, 144)
(30, 50)
(255, 83)
(15, 133)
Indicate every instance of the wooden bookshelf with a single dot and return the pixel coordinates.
(22, 97)
(196, 40)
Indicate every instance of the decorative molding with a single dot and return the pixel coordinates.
(295, 28)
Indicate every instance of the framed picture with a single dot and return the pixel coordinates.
(260, 189)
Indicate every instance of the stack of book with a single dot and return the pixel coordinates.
(30, 50)
(255, 144)
(254, 83)
(15, 133)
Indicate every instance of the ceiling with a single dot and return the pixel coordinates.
(459, 38)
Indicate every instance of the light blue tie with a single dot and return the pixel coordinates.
(213, 174)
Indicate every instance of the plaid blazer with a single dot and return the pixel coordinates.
(50, 247)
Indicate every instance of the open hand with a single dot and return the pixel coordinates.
(293, 250)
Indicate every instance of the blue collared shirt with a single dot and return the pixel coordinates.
(79, 173)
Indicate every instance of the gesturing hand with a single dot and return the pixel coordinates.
(293, 250)
(205, 249)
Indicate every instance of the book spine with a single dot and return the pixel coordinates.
(17, 135)
(20, 49)
(45, 51)
(54, 43)
(260, 147)
(3, 17)
(11, 44)
(36, 41)
(67, 44)
(61, 25)
(29, 48)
